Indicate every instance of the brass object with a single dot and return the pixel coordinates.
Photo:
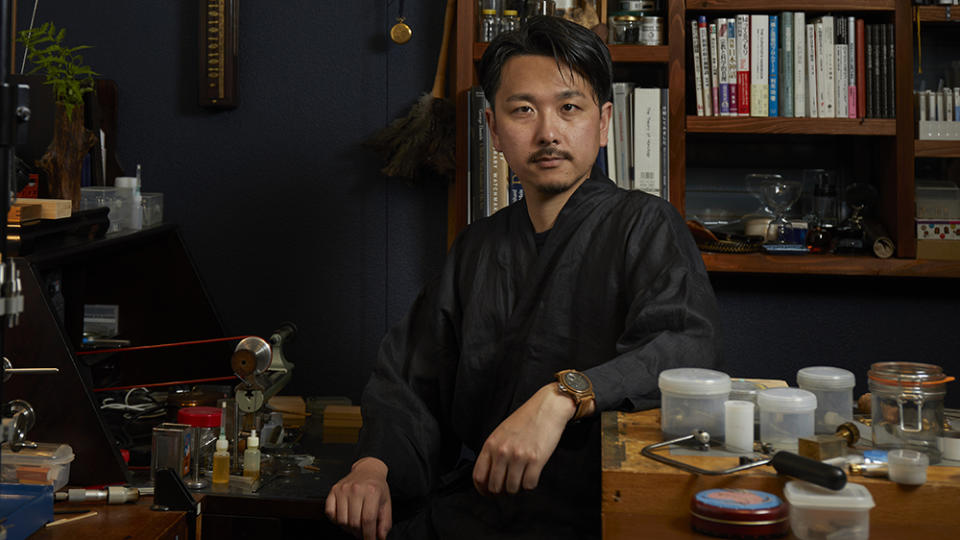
(848, 432)
(401, 32)
(821, 447)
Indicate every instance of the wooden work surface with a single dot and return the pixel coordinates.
(130, 521)
(642, 497)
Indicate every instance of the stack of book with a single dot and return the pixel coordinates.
(638, 151)
(786, 65)
(341, 423)
(491, 183)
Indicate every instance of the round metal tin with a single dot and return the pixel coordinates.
(739, 513)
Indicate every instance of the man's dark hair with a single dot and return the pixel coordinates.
(570, 44)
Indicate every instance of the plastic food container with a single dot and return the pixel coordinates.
(907, 406)
(691, 399)
(48, 463)
(907, 467)
(786, 414)
(817, 512)
(834, 390)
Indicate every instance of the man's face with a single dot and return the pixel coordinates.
(547, 123)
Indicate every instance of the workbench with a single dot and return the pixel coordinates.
(642, 497)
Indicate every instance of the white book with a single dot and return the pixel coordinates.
(724, 81)
(829, 68)
(813, 110)
(821, 73)
(759, 65)
(948, 108)
(743, 65)
(697, 67)
(841, 86)
(799, 65)
(646, 140)
(714, 70)
(705, 61)
(921, 105)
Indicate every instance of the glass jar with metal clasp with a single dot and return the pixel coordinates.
(907, 406)
(625, 29)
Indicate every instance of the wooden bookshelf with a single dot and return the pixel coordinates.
(618, 53)
(841, 265)
(800, 126)
(936, 149)
(937, 13)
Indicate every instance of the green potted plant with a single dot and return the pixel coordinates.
(63, 69)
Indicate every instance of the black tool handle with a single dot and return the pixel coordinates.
(811, 470)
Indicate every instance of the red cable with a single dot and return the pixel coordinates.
(162, 345)
(171, 383)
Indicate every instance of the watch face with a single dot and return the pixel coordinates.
(576, 381)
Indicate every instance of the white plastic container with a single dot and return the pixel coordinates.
(128, 187)
(738, 426)
(691, 399)
(908, 467)
(834, 390)
(786, 414)
(48, 458)
(817, 512)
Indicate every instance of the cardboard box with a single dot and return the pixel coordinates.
(938, 229)
(942, 250)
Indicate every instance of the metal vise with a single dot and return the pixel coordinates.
(262, 367)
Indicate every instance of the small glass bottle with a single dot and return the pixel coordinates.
(510, 20)
(489, 25)
(251, 456)
(221, 461)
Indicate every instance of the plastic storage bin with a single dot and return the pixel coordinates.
(152, 209)
(937, 199)
(786, 414)
(817, 512)
(691, 399)
(48, 462)
(104, 196)
(834, 390)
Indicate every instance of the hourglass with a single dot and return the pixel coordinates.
(778, 194)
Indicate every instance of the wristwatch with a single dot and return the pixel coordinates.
(578, 387)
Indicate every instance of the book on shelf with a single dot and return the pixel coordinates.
(697, 67)
(723, 81)
(714, 70)
(759, 65)
(773, 64)
(623, 134)
(851, 67)
(478, 155)
(890, 80)
(646, 137)
(884, 69)
(799, 64)
(786, 64)
(743, 64)
(828, 105)
(840, 48)
(665, 143)
(732, 65)
(611, 154)
(861, 74)
(705, 65)
(813, 101)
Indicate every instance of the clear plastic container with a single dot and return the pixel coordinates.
(786, 414)
(47, 463)
(833, 387)
(744, 390)
(152, 209)
(691, 399)
(817, 512)
(105, 196)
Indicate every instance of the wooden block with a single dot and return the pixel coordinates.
(50, 208)
(24, 213)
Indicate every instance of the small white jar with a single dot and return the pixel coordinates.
(691, 399)
(833, 387)
(786, 415)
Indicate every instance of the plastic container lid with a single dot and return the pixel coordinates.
(45, 454)
(695, 382)
(825, 378)
(222, 444)
(908, 375)
(126, 182)
(744, 390)
(786, 400)
(806, 495)
(199, 416)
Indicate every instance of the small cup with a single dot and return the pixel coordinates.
(908, 467)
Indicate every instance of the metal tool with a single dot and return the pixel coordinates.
(111, 495)
(787, 463)
(262, 367)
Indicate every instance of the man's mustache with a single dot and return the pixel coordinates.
(549, 153)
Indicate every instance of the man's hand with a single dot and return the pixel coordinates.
(360, 501)
(515, 453)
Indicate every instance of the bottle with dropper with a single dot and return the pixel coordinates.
(221, 458)
(251, 456)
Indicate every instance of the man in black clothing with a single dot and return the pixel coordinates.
(482, 414)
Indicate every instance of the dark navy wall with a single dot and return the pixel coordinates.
(285, 214)
(288, 217)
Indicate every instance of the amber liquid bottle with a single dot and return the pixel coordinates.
(221, 462)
